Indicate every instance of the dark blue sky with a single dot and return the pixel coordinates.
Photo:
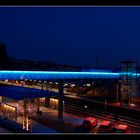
(72, 35)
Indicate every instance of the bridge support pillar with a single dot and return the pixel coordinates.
(60, 103)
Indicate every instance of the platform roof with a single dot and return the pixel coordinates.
(21, 93)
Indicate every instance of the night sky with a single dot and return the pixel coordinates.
(72, 35)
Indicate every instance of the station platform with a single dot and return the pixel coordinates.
(50, 118)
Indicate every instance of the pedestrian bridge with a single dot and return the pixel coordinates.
(58, 75)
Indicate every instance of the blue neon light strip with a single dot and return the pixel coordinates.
(44, 75)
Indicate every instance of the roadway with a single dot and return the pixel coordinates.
(99, 110)
(134, 125)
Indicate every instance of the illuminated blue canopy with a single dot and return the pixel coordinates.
(49, 75)
(21, 93)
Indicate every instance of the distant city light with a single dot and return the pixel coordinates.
(65, 85)
(6, 80)
(72, 85)
(88, 85)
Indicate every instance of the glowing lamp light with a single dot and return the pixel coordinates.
(85, 106)
(27, 124)
(14, 109)
(132, 105)
(88, 85)
(56, 100)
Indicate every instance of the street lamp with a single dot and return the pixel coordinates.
(85, 106)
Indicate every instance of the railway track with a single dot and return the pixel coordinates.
(104, 115)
